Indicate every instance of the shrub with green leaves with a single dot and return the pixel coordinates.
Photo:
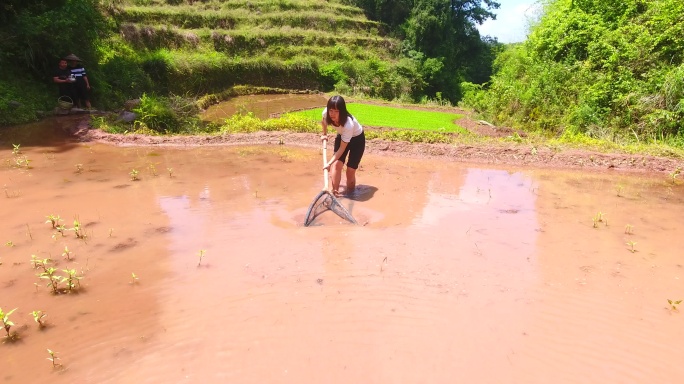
(155, 113)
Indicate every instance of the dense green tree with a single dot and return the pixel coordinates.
(442, 35)
(603, 68)
(35, 33)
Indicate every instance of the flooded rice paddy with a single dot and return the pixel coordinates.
(200, 271)
(262, 106)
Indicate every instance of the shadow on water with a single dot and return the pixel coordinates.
(363, 193)
(49, 132)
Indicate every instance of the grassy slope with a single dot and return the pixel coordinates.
(202, 47)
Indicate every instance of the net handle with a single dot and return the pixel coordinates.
(325, 160)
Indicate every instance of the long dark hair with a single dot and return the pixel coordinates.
(337, 102)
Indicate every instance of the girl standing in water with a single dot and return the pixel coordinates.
(349, 141)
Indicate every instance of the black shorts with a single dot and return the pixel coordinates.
(81, 91)
(355, 149)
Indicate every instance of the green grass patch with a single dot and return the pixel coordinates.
(401, 118)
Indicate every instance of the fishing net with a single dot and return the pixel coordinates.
(325, 201)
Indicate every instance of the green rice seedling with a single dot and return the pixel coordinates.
(39, 263)
(134, 175)
(134, 278)
(60, 229)
(54, 220)
(78, 231)
(9, 244)
(7, 324)
(170, 171)
(38, 317)
(628, 229)
(16, 151)
(71, 280)
(201, 256)
(599, 218)
(53, 280)
(53, 358)
(619, 189)
(674, 304)
(153, 169)
(79, 168)
(631, 246)
(66, 254)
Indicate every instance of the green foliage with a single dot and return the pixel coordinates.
(166, 115)
(391, 117)
(156, 114)
(35, 34)
(611, 70)
(20, 99)
(416, 136)
(331, 74)
(248, 123)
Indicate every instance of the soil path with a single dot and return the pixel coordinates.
(486, 153)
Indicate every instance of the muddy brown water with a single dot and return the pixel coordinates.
(262, 106)
(459, 273)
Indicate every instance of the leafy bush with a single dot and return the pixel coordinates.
(156, 114)
(607, 69)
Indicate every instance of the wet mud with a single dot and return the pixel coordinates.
(460, 271)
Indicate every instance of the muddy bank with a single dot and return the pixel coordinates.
(489, 153)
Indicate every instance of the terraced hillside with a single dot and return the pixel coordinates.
(207, 46)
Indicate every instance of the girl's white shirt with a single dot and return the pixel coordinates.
(351, 128)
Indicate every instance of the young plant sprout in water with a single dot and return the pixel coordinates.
(49, 275)
(9, 244)
(38, 317)
(66, 254)
(7, 324)
(134, 175)
(599, 219)
(78, 231)
(631, 245)
(54, 220)
(675, 174)
(201, 255)
(134, 278)
(674, 304)
(619, 189)
(628, 229)
(79, 168)
(60, 229)
(153, 170)
(71, 280)
(170, 171)
(53, 358)
(16, 151)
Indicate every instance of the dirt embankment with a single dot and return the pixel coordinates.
(490, 153)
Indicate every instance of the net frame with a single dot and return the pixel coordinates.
(325, 200)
